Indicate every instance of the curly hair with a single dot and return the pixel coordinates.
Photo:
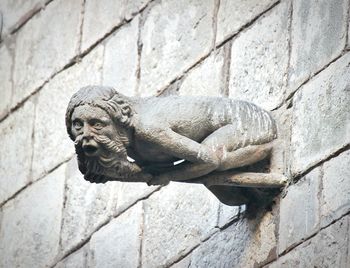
(108, 99)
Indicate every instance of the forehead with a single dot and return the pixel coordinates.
(87, 112)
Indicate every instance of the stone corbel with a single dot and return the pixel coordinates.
(222, 143)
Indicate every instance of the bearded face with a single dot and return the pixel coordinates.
(100, 146)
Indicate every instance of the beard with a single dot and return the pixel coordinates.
(111, 162)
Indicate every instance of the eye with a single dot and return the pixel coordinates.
(77, 125)
(98, 125)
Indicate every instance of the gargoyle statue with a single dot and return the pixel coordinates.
(214, 138)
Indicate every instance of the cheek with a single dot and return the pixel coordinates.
(108, 131)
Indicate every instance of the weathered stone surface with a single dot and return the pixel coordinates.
(6, 63)
(31, 223)
(121, 59)
(280, 156)
(207, 79)
(77, 259)
(102, 16)
(336, 188)
(16, 150)
(87, 207)
(259, 60)
(175, 35)
(228, 214)
(348, 44)
(15, 12)
(318, 36)
(118, 243)
(321, 116)
(184, 263)
(246, 243)
(232, 15)
(45, 45)
(177, 218)
(329, 248)
(129, 192)
(51, 142)
(299, 211)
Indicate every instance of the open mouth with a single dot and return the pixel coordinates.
(89, 150)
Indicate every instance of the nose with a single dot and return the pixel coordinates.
(86, 132)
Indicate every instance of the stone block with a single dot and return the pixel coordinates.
(6, 65)
(175, 35)
(280, 156)
(230, 18)
(77, 259)
(87, 207)
(228, 213)
(101, 17)
(45, 45)
(321, 116)
(16, 150)
(207, 79)
(183, 263)
(259, 60)
(130, 192)
(51, 142)
(177, 219)
(329, 248)
(318, 36)
(121, 59)
(336, 188)
(16, 12)
(299, 211)
(31, 223)
(348, 44)
(246, 243)
(118, 243)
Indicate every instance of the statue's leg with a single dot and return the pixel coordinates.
(228, 140)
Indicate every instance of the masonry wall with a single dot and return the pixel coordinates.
(291, 57)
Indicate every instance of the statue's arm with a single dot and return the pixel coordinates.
(200, 158)
(179, 146)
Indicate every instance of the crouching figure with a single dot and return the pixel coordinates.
(206, 140)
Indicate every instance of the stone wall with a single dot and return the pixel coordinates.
(291, 57)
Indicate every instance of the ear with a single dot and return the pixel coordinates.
(121, 108)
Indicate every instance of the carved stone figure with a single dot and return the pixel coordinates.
(214, 138)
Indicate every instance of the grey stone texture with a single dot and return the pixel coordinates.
(51, 143)
(118, 243)
(259, 60)
(230, 18)
(228, 214)
(87, 207)
(48, 210)
(175, 35)
(16, 150)
(121, 59)
(321, 116)
(46, 32)
(175, 223)
(30, 224)
(100, 17)
(6, 64)
(329, 248)
(246, 243)
(16, 12)
(335, 188)
(77, 259)
(299, 211)
(318, 36)
(206, 79)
